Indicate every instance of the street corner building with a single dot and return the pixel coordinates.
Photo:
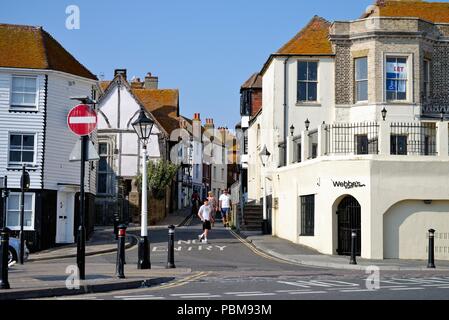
(355, 116)
(37, 78)
(120, 162)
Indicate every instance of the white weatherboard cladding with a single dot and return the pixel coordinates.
(29, 122)
(60, 140)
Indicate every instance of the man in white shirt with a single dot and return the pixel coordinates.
(205, 214)
(225, 207)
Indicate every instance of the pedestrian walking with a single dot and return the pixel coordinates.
(205, 214)
(195, 202)
(225, 207)
(213, 203)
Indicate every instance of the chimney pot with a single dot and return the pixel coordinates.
(151, 82)
(120, 71)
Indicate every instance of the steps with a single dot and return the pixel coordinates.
(253, 216)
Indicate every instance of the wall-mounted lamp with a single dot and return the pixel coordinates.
(292, 130)
(384, 113)
(307, 123)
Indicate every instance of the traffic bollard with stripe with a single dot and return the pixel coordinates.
(431, 260)
(171, 247)
(353, 244)
(121, 252)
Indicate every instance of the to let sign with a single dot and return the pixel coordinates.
(82, 120)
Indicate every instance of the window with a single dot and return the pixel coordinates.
(314, 150)
(308, 215)
(398, 145)
(21, 148)
(396, 79)
(307, 81)
(363, 145)
(105, 172)
(13, 211)
(24, 92)
(298, 153)
(361, 79)
(426, 82)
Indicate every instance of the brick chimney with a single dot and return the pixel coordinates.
(196, 123)
(120, 71)
(136, 83)
(151, 82)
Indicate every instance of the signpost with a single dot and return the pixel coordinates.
(82, 121)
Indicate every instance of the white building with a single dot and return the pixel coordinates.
(119, 147)
(350, 169)
(37, 78)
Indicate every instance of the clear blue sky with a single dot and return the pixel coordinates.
(205, 48)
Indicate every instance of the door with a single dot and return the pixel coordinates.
(349, 219)
(65, 217)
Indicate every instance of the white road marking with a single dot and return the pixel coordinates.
(197, 297)
(357, 290)
(403, 289)
(136, 296)
(189, 294)
(243, 292)
(307, 292)
(147, 298)
(256, 294)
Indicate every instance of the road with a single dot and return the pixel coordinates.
(228, 269)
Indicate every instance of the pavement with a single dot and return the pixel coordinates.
(306, 256)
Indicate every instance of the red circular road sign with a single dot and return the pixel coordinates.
(82, 120)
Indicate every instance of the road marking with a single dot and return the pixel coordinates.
(307, 292)
(136, 296)
(256, 294)
(144, 298)
(403, 289)
(181, 282)
(357, 290)
(189, 294)
(197, 297)
(248, 292)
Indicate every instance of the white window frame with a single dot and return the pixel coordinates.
(409, 80)
(356, 81)
(110, 156)
(15, 164)
(317, 81)
(33, 211)
(24, 106)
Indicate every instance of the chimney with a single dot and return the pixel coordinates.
(120, 71)
(196, 123)
(136, 84)
(151, 82)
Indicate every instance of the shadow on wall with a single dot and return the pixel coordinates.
(406, 226)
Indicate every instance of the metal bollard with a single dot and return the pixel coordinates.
(353, 244)
(171, 247)
(120, 267)
(431, 261)
(4, 283)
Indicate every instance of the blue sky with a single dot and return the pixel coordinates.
(205, 48)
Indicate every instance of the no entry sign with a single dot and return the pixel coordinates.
(82, 120)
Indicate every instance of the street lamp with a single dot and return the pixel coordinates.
(292, 130)
(307, 123)
(264, 156)
(384, 113)
(143, 126)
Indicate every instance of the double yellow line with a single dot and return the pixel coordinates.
(260, 253)
(181, 282)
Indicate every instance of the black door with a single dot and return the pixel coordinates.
(349, 217)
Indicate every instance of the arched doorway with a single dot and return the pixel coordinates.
(349, 218)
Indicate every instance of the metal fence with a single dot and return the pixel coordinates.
(313, 144)
(413, 139)
(352, 138)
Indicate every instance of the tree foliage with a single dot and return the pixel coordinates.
(160, 175)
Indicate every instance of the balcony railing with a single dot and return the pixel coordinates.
(352, 138)
(413, 139)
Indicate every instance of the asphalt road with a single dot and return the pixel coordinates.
(228, 269)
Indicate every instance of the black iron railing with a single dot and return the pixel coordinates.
(352, 138)
(413, 139)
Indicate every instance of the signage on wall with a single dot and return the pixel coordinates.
(348, 184)
(396, 71)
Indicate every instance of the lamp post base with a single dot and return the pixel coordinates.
(144, 254)
(265, 227)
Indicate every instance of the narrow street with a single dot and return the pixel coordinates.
(228, 269)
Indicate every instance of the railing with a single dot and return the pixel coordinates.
(413, 139)
(352, 138)
(313, 144)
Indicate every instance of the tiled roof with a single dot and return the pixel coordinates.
(163, 104)
(431, 11)
(31, 47)
(104, 85)
(311, 40)
(254, 82)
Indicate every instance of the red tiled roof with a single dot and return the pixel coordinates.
(431, 11)
(313, 39)
(31, 47)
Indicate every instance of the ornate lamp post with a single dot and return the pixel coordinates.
(143, 126)
(264, 156)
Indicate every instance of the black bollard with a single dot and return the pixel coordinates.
(353, 245)
(431, 262)
(4, 283)
(171, 247)
(120, 268)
